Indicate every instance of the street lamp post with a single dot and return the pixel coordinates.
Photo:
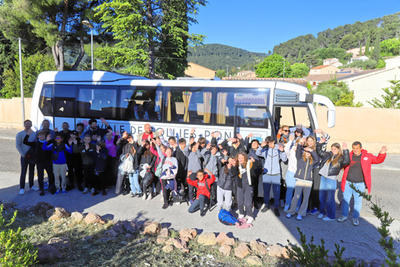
(90, 25)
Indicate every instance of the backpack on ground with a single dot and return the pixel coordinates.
(226, 217)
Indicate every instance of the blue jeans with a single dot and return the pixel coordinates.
(276, 188)
(348, 192)
(199, 203)
(327, 188)
(134, 181)
(290, 184)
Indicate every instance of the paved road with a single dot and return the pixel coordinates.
(359, 241)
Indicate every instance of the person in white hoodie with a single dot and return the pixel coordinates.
(272, 171)
(290, 150)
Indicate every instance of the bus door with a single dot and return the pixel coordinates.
(256, 120)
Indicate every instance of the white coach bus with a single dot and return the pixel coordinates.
(128, 102)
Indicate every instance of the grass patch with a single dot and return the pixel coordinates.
(89, 247)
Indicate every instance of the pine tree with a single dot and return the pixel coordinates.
(367, 46)
(391, 98)
(360, 51)
(377, 47)
(174, 41)
(299, 58)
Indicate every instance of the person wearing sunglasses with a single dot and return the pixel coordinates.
(283, 134)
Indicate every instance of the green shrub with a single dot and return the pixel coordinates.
(15, 251)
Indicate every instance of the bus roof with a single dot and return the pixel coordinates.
(113, 78)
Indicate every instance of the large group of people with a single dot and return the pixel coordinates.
(237, 174)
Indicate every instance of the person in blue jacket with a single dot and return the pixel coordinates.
(59, 149)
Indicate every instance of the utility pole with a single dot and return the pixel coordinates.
(21, 80)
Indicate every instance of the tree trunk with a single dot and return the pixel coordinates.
(150, 19)
(81, 54)
(61, 43)
(54, 49)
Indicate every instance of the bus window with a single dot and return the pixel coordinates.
(64, 100)
(189, 106)
(140, 103)
(46, 100)
(226, 102)
(97, 102)
(291, 116)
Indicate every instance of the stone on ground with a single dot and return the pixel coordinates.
(168, 249)
(57, 214)
(152, 229)
(225, 250)
(47, 253)
(207, 239)
(93, 218)
(259, 248)
(279, 251)
(77, 216)
(254, 260)
(242, 251)
(188, 233)
(41, 208)
(223, 239)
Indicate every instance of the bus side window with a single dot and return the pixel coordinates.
(140, 103)
(95, 102)
(188, 106)
(46, 100)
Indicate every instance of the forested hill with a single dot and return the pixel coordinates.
(346, 37)
(217, 56)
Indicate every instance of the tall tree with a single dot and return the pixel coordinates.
(376, 53)
(299, 58)
(57, 22)
(147, 29)
(367, 45)
(391, 97)
(273, 67)
(360, 53)
(338, 92)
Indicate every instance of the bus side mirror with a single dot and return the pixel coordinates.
(331, 118)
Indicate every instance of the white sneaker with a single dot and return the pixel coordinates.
(299, 217)
(150, 197)
(34, 188)
(327, 219)
(144, 197)
(288, 215)
(22, 191)
(320, 216)
(86, 190)
(92, 190)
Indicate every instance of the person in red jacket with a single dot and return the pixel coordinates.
(203, 184)
(358, 173)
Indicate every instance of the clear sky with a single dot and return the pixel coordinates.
(259, 25)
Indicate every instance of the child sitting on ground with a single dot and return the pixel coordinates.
(202, 184)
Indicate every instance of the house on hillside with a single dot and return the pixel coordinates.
(332, 61)
(354, 59)
(198, 71)
(316, 79)
(324, 69)
(356, 51)
(246, 74)
(369, 84)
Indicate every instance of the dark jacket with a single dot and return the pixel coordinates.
(40, 154)
(126, 149)
(343, 161)
(182, 163)
(100, 160)
(86, 154)
(98, 131)
(304, 168)
(225, 180)
(149, 159)
(233, 150)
